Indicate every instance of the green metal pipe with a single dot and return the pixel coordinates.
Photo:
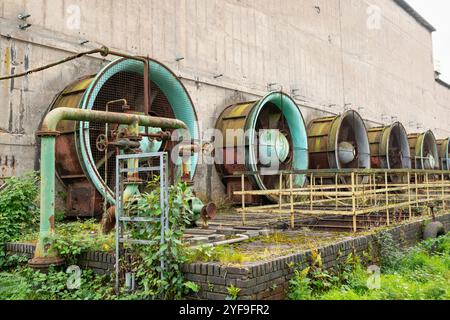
(55, 116)
(48, 133)
(47, 209)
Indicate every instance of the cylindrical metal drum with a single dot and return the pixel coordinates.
(424, 151)
(83, 164)
(339, 142)
(389, 147)
(262, 137)
(444, 153)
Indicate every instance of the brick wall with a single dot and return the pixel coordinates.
(100, 262)
(270, 280)
(267, 280)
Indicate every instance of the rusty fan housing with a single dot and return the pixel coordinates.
(424, 151)
(389, 147)
(444, 153)
(262, 138)
(339, 142)
(80, 165)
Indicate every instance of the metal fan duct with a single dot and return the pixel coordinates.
(339, 142)
(262, 137)
(389, 147)
(84, 163)
(424, 151)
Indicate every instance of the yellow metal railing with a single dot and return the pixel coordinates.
(352, 193)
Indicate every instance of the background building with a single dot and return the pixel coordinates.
(375, 57)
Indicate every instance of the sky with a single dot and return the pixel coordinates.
(437, 12)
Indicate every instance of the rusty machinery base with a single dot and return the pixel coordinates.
(43, 264)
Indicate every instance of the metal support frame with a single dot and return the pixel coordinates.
(121, 170)
(367, 192)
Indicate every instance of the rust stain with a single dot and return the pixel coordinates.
(52, 224)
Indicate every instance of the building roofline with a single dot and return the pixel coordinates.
(413, 13)
(443, 83)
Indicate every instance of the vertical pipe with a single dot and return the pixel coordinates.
(146, 88)
(47, 209)
(162, 200)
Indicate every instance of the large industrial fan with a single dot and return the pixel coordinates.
(339, 142)
(263, 138)
(444, 153)
(389, 147)
(86, 152)
(424, 151)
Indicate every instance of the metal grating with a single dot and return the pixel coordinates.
(128, 86)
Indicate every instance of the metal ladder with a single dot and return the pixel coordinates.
(121, 173)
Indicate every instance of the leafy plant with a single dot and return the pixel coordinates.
(18, 209)
(420, 274)
(27, 284)
(299, 286)
(147, 259)
(389, 252)
(75, 238)
(233, 292)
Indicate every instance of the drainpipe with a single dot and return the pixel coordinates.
(48, 134)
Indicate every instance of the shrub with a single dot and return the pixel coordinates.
(18, 209)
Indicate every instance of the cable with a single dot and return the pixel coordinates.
(104, 51)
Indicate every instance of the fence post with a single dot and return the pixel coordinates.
(355, 228)
(281, 192)
(244, 222)
(443, 192)
(409, 195)
(375, 190)
(311, 198)
(388, 218)
(428, 193)
(336, 180)
(417, 190)
(291, 185)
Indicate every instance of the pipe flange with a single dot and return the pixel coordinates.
(48, 133)
(42, 264)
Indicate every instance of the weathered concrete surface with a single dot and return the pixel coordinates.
(331, 52)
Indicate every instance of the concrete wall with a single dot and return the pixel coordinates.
(331, 52)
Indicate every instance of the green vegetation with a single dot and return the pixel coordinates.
(27, 284)
(146, 262)
(422, 273)
(18, 210)
(233, 293)
(223, 254)
(19, 221)
(276, 244)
